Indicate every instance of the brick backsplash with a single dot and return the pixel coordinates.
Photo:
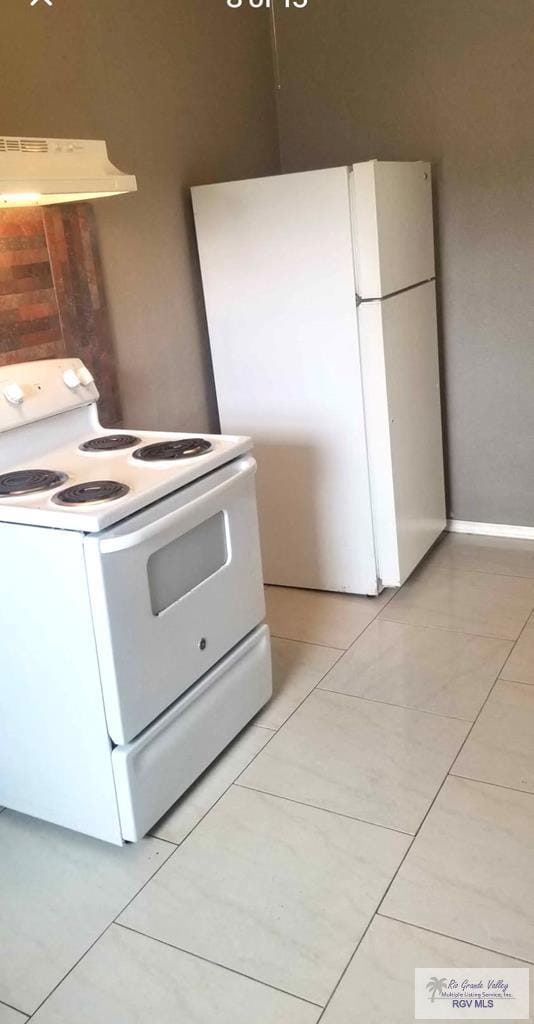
(52, 299)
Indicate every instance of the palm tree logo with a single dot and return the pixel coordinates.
(436, 987)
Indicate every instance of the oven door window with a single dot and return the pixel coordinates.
(186, 562)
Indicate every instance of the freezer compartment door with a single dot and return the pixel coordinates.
(152, 772)
(393, 226)
(399, 350)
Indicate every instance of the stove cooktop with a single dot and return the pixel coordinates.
(99, 478)
(59, 468)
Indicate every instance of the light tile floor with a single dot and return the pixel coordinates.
(377, 816)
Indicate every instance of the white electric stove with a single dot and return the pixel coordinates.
(132, 640)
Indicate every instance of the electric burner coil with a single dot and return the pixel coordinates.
(91, 492)
(167, 451)
(29, 481)
(110, 443)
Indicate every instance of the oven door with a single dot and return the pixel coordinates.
(173, 588)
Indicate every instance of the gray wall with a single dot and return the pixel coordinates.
(182, 91)
(451, 81)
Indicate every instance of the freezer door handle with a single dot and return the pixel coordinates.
(246, 467)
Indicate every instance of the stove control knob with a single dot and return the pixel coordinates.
(71, 379)
(85, 377)
(14, 394)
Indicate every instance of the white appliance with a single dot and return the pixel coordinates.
(36, 172)
(320, 297)
(132, 643)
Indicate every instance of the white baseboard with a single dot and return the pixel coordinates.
(491, 529)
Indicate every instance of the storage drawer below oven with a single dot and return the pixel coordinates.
(153, 771)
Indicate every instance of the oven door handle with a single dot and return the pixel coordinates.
(246, 467)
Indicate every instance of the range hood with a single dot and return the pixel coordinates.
(36, 172)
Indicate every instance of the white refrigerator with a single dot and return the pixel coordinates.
(320, 298)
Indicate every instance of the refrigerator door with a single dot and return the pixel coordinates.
(399, 350)
(277, 267)
(393, 226)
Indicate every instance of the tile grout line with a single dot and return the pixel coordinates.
(310, 643)
(170, 842)
(327, 810)
(377, 618)
(410, 846)
(15, 1008)
(411, 625)
(224, 792)
(342, 651)
(483, 572)
(70, 970)
(265, 745)
(400, 707)
(215, 963)
(366, 929)
(450, 629)
(453, 938)
(514, 645)
(455, 758)
(516, 682)
(289, 717)
(176, 846)
(102, 933)
(240, 786)
(495, 785)
(444, 629)
(416, 626)
(236, 783)
(450, 774)
(381, 616)
(427, 564)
